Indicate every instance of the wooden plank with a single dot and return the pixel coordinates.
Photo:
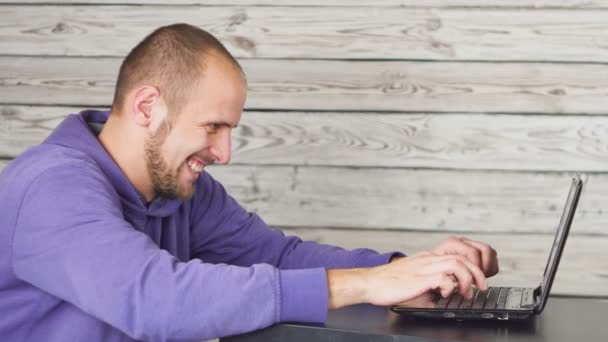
(341, 85)
(355, 32)
(426, 200)
(522, 258)
(345, 3)
(23, 127)
(462, 141)
(454, 141)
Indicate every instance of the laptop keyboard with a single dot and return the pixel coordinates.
(496, 298)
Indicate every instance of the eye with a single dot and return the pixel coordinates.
(213, 127)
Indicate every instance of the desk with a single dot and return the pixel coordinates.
(564, 319)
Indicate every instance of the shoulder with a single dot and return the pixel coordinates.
(56, 167)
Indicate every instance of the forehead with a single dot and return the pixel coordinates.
(220, 92)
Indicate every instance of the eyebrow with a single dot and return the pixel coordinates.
(222, 123)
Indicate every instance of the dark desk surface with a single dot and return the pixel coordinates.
(564, 319)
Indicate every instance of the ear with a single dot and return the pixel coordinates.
(146, 102)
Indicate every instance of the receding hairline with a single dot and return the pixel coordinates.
(173, 58)
(213, 56)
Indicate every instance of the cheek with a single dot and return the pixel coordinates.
(194, 145)
(174, 151)
(185, 144)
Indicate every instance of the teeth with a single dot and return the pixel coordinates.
(195, 166)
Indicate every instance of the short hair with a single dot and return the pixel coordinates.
(172, 58)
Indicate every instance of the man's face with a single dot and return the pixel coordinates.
(176, 152)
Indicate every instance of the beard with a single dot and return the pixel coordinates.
(164, 180)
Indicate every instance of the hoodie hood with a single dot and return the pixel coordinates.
(78, 131)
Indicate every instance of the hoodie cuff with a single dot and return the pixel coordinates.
(378, 259)
(304, 295)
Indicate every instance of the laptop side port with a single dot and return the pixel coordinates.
(487, 315)
(449, 314)
(503, 316)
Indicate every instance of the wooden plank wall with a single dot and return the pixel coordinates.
(388, 124)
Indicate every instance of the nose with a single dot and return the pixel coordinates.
(221, 147)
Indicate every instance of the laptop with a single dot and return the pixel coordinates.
(506, 303)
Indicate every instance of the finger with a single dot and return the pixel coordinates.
(457, 245)
(452, 265)
(489, 258)
(464, 279)
(445, 285)
(465, 272)
(476, 272)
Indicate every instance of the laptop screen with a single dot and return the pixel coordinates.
(560, 238)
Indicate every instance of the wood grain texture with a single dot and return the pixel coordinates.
(461, 141)
(353, 33)
(522, 257)
(426, 200)
(447, 159)
(582, 271)
(23, 127)
(454, 141)
(345, 3)
(341, 85)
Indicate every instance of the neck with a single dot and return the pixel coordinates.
(117, 138)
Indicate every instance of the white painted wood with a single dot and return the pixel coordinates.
(385, 181)
(522, 257)
(463, 141)
(582, 271)
(23, 127)
(426, 200)
(353, 32)
(341, 85)
(449, 141)
(345, 3)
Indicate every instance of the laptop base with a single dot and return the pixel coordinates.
(498, 303)
(460, 315)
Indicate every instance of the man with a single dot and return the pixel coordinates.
(111, 231)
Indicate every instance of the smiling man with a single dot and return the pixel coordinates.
(111, 230)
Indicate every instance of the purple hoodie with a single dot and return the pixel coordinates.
(83, 257)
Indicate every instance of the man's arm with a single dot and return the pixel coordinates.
(225, 232)
(222, 231)
(72, 242)
(455, 264)
(404, 280)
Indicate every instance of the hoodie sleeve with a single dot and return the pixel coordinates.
(72, 242)
(222, 231)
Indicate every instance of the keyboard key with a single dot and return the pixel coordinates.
(442, 303)
(493, 293)
(527, 300)
(502, 298)
(468, 303)
(514, 298)
(455, 301)
(480, 299)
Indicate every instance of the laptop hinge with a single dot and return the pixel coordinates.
(538, 291)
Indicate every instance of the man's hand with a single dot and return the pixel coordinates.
(405, 279)
(478, 253)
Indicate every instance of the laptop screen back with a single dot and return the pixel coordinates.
(560, 239)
